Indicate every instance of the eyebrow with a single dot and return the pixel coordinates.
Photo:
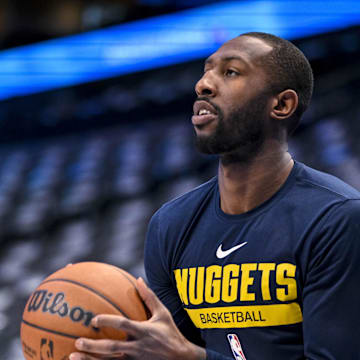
(210, 60)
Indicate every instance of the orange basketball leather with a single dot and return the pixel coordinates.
(61, 308)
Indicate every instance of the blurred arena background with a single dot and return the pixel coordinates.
(86, 160)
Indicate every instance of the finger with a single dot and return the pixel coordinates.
(117, 322)
(149, 297)
(82, 356)
(110, 348)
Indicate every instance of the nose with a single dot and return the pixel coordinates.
(205, 86)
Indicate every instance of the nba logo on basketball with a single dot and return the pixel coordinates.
(46, 349)
(236, 347)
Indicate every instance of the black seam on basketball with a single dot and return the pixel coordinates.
(123, 273)
(127, 277)
(136, 289)
(49, 330)
(90, 289)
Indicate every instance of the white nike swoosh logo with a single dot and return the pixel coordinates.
(221, 254)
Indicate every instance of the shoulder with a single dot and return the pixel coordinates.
(169, 224)
(323, 186)
(339, 230)
(183, 206)
(337, 244)
(345, 216)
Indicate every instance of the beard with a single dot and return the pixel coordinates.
(239, 137)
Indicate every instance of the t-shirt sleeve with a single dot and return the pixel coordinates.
(160, 280)
(331, 294)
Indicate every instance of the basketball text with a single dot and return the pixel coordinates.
(55, 304)
(240, 295)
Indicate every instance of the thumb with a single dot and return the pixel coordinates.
(148, 296)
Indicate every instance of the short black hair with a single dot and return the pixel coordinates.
(287, 68)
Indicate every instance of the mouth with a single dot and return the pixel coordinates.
(204, 113)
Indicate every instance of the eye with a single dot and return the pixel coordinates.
(231, 73)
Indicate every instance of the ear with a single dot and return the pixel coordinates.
(284, 104)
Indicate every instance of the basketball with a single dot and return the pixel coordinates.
(61, 308)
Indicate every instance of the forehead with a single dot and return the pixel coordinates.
(249, 49)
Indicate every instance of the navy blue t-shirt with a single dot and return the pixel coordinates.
(278, 282)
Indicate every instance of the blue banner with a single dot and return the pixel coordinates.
(161, 41)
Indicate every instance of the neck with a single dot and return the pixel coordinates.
(246, 185)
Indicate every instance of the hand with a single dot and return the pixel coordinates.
(157, 338)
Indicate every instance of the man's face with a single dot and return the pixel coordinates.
(231, 110)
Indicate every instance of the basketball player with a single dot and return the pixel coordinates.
(263, 261)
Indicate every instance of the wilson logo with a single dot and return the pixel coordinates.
(55, 304)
